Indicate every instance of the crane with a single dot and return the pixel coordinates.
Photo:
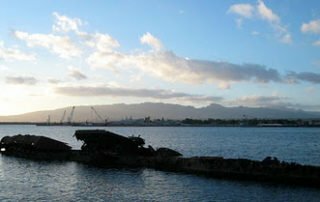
(71, 114)
(63, 116)
(49, 120)
(97, 114)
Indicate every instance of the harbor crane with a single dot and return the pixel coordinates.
(71, 114)
(97, 114)
(63, 116)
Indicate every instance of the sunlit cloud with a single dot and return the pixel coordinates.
(60, 45)
(158, 61)
(65, 24)
(266, 13)
(170, 67)
(152, 41)
(12, 54)
(244, 10)
(311, 27)
(261, 11)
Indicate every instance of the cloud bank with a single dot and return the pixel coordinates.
(100, 50)
(161, 94)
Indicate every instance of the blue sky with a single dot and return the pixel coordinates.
(252, 53)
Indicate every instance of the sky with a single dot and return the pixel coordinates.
(61, 53)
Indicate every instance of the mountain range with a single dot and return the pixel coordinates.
(158, 111)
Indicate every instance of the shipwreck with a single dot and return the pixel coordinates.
(106, 149)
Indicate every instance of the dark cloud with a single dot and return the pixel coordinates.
(20, 80)
(234, 72)
(311, 77)
(54, 81)
(128, 92)
(76, 74)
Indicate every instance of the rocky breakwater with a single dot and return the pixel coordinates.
(107, 149)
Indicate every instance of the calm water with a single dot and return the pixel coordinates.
(64, 181)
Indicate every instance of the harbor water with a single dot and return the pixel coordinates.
(26, 180)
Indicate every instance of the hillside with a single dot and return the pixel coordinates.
(160, 110)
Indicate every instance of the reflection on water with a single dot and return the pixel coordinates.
(25, 180)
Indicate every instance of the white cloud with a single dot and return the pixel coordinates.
(152, 41)
(244, 10)
(267, 14)
(12, 54)
(102, 42)
(167, 66)
(170, 67)
(65, 24)
(264, 13)
(311, 27)
(60, 45)
(107, 60)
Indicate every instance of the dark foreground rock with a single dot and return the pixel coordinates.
(107, 149)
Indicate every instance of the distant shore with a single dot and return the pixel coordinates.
(184, 123)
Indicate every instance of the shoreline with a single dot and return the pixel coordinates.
(157, 125)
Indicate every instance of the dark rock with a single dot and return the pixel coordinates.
(166, 152)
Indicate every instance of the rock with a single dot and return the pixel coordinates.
(166, 152)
